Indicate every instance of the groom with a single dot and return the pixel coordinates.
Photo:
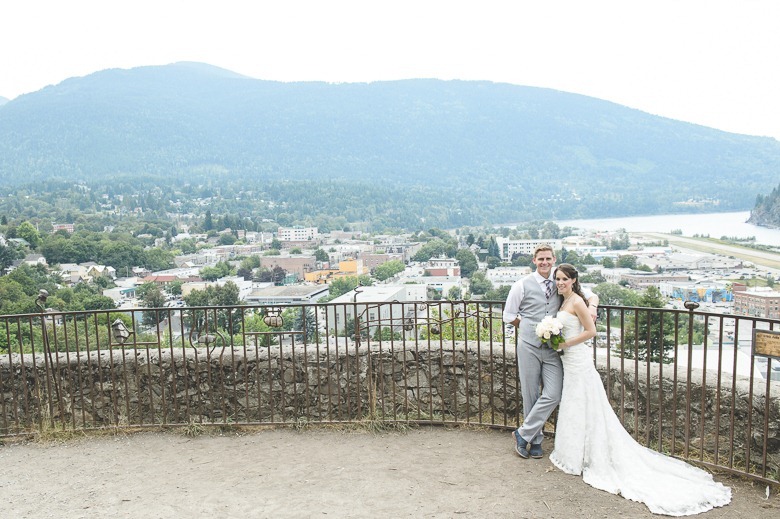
(531, 299)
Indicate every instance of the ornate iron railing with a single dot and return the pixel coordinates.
(682, 381)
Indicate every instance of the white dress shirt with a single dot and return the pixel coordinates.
(517, 292)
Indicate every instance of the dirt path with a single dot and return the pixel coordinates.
(278, 473)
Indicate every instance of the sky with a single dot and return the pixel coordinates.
(709, 62)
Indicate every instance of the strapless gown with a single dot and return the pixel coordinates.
(591, 441)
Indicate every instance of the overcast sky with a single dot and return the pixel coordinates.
(710, 62)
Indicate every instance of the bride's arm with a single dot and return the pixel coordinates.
(589, 327)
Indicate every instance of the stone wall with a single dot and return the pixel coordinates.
(441, 383)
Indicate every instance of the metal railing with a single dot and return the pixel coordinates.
(681, 381)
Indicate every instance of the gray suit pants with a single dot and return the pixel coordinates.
(538, 366)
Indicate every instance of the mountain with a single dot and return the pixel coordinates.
(767, 210)
(477, 151)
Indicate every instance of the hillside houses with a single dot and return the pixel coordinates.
(73, 274)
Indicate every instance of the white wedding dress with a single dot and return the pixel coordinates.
(590, 440)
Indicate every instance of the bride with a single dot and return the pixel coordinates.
(591, 441)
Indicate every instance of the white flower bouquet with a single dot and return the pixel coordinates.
(550, 331)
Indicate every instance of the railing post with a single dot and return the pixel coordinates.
(40, 302)
(690, 306)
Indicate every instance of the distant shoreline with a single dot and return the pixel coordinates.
(731, 224)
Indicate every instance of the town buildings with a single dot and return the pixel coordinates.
(757, 302)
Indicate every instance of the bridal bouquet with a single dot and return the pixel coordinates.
(550, 331)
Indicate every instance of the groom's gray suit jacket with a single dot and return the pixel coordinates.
(535, 307)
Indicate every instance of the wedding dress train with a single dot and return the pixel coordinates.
(590, 440)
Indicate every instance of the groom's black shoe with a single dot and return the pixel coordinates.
(521, 446)
(536, 450)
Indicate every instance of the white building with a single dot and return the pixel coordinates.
(297, 233)
(506, 276)
(508, 248)
(244, 286)
(683, 261)
(397, 303)
(418, 274)
(268, 294)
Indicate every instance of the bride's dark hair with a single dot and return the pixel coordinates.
(572, 273)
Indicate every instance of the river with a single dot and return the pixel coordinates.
(713, 225)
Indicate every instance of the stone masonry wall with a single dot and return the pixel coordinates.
(441, 383)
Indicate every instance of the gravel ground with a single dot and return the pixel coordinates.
(316, 472)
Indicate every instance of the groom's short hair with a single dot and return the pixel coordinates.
(543, 247)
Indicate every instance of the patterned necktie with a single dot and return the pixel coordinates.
(548, 288)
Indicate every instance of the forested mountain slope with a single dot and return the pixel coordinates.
(767, 209)
(457, 152)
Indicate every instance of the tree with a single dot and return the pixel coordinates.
(480, 284)
(460, 324)
(141, 290)
(612, 294)
(522, 260)
(388, 269)
(157, 259)
(455, 293)
(498, 294)
(305, 323)
(174, 287)
(493, 262)
(608, 263)
(435, 248)
(121, 255)
(187, 246)
(467, 261)
(550, 231)
(627, 261)
(620, 241)
(321, 255)
(342, 285)
(592, 277)
(153, 298)
(493, 250)
(7, 256)
(226, 239)
(278, 275)
(247, 267)
(570, 256)
(644, 337)
(30, 234)
(223, 296)
(220, 270)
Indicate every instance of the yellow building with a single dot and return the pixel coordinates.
(350, 267)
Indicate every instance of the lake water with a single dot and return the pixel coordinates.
(713, 224)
